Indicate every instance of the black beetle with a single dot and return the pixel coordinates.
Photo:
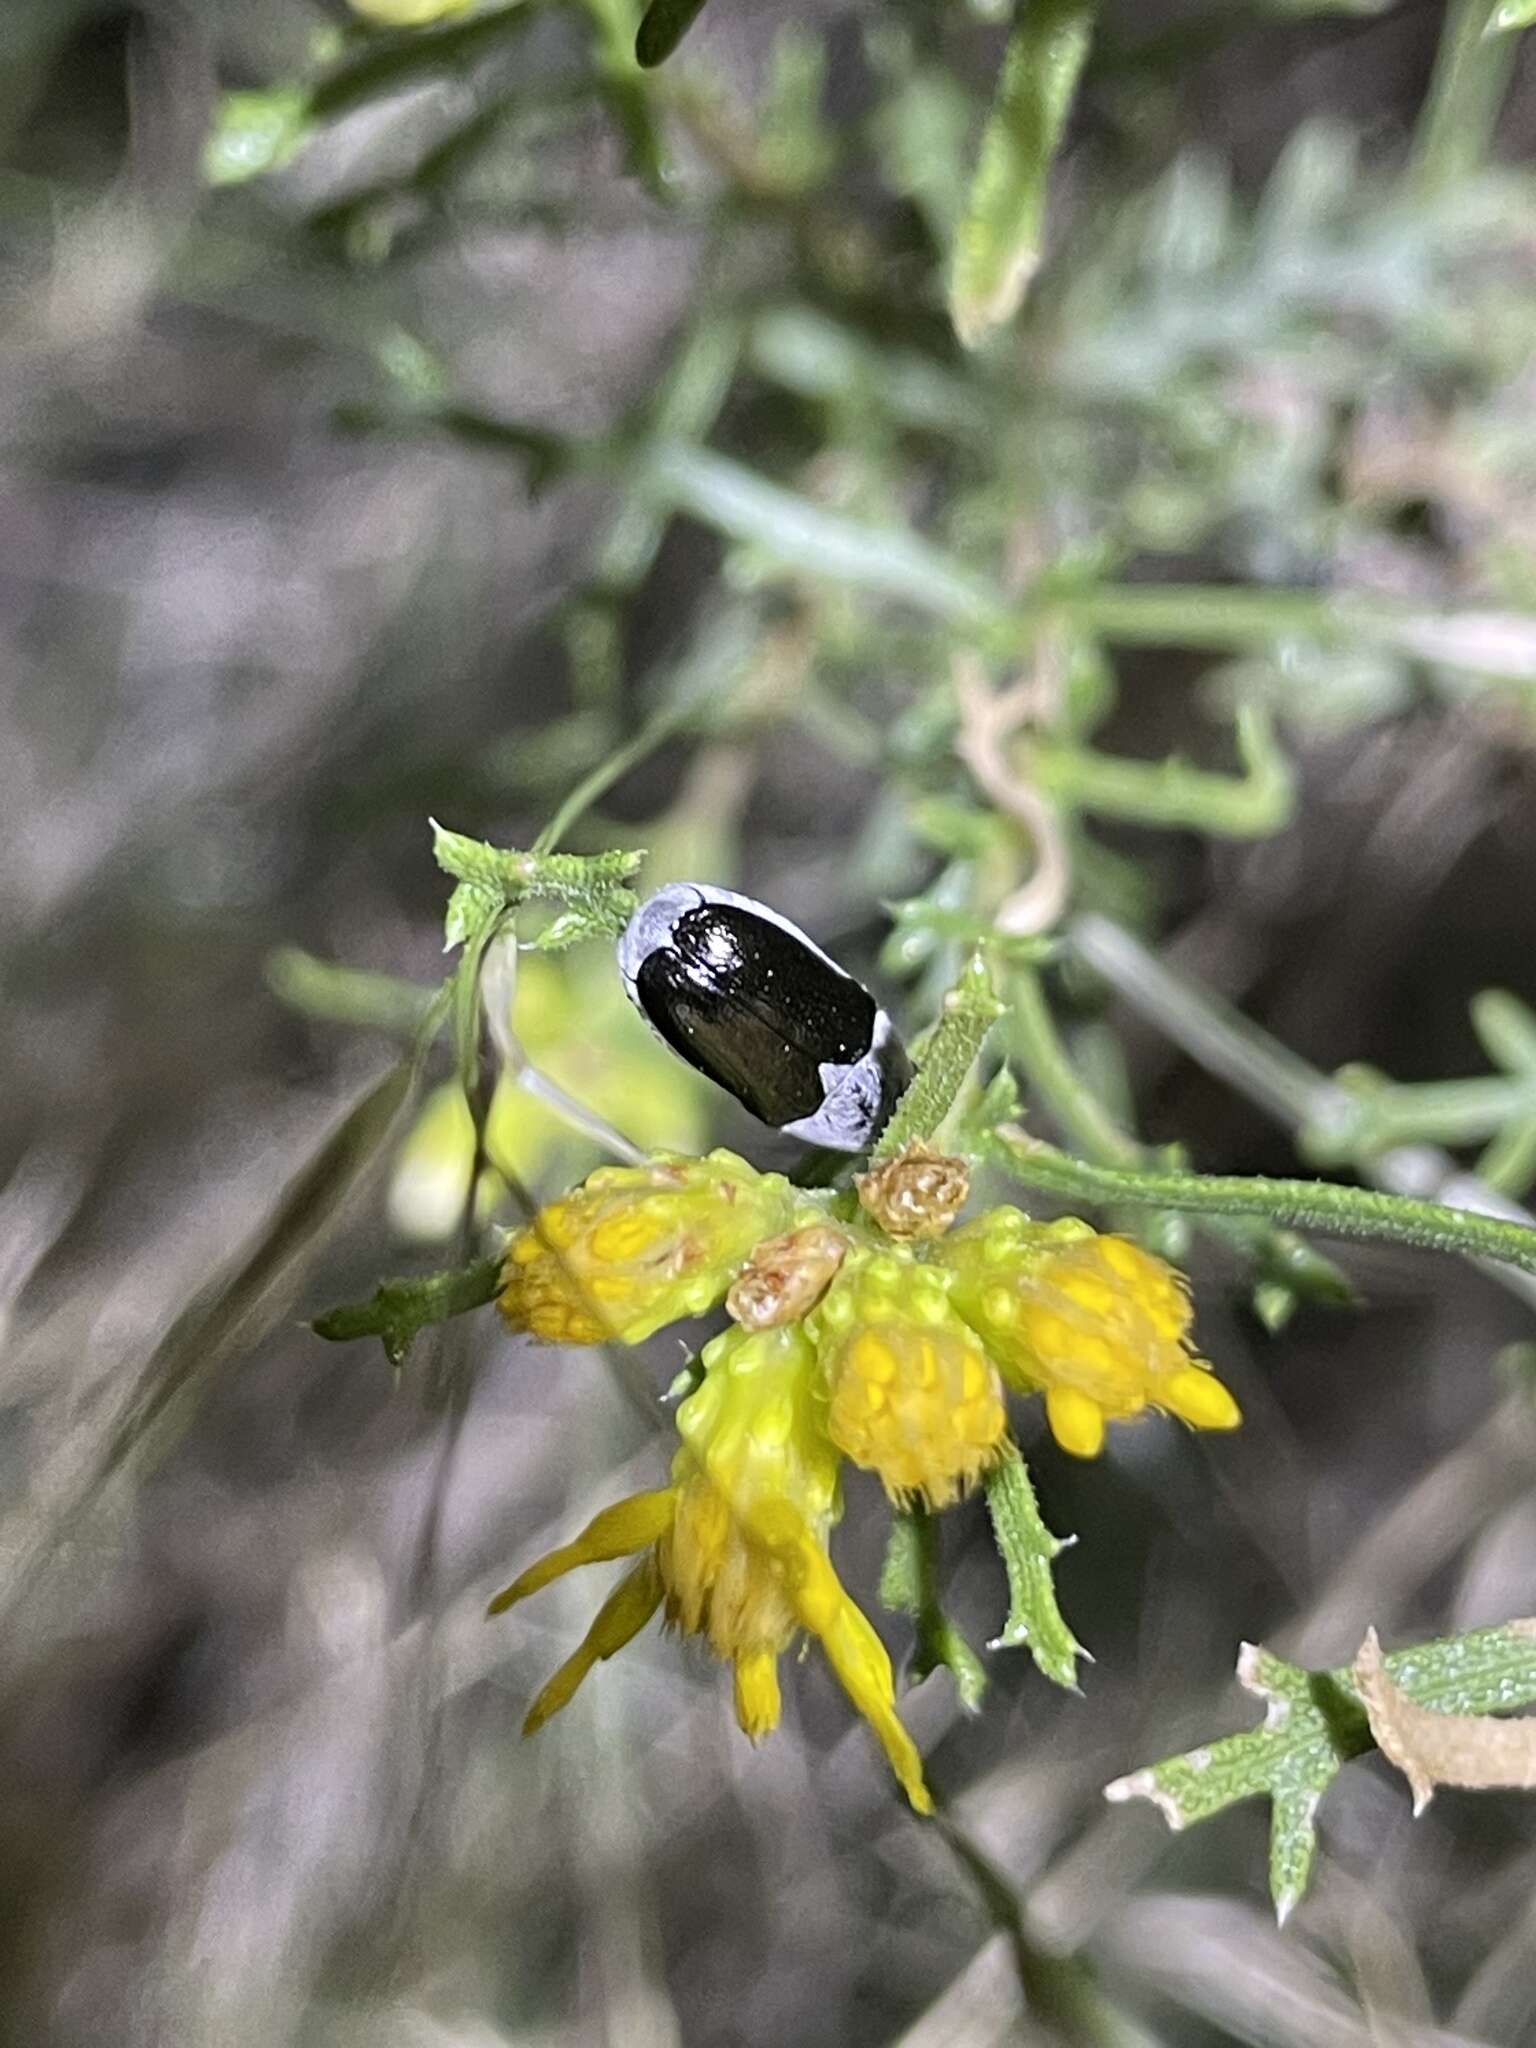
(748, 999)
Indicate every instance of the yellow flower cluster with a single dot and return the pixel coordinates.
(735, 1549)
(635, 1247)
(891, 1351)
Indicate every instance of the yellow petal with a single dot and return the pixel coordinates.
(858, 1657)
(628, 1526)
(1076, 1422)
(1199, 1398)
(757, 1692)
(622, 1616)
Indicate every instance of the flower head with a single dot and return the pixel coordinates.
(913, 1394)
(638, 1246)
(735, 1549)
(1096, 1323)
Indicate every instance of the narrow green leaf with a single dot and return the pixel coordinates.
(809, 540)
(998, 243)
(399, 1310)
(1028, 1550)
(662, 28)
(1506, 1027)
(338, 994)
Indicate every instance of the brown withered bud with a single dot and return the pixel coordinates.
(786, 1276)
(919, 1193)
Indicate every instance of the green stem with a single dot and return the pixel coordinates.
(804, 537)
(1174, 794)
(1325, 1206)
(391, 63)
(656, 731)
(1508, 1165)
(1466, 92)
(970, 1010)
(1056, 1080)
(399, 1310)
(1426, 1113)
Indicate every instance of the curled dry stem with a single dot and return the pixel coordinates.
(989, 718)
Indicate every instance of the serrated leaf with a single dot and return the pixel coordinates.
(470, 908)
(491, 879)
(1314, 1722)
(476, 861)
(1028, 1550)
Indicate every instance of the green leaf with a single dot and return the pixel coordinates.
(909, 1585)
(998, 242)
(1511, 14)
(493, 879)
(470, 909)
(1028, 1550)
(1313, 1724)
(1506, 1027)
(399, 1310)
(662, 28)
(338, 994)
(970, 1010)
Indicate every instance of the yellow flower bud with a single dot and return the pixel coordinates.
(1100, 1326)
(638, 1246)
(913, 1393)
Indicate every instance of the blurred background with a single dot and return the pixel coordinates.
(398, 425)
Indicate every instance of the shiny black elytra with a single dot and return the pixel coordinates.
(743, 995)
